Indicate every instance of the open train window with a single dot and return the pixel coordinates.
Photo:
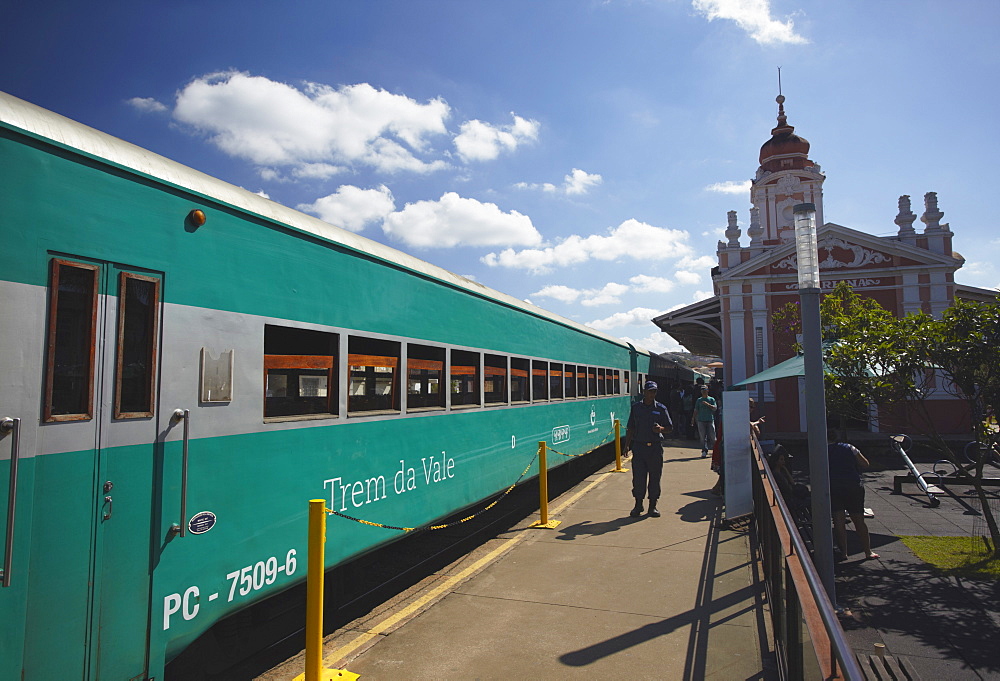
(495, 381)
(555, 381)
(539, 380)
(299, 369)
(69, 365)
(520, 385)
(609, 382)
(616, 377)
(592, 381)
(138, 324)
(424, 377)
(373, 378)
(581, 381)
(464, 379)
(628, 384)
(569, 380)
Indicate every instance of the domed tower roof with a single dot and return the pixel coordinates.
(785, 150)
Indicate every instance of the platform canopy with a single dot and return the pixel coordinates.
(794, 366)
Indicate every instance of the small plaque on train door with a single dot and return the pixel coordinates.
(201, 522)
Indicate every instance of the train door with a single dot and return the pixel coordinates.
(89, 587)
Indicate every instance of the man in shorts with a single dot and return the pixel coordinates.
(847, 493)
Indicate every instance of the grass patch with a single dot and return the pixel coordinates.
(962, 556)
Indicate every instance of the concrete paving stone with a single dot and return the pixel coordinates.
(495, 644)
(633, 581)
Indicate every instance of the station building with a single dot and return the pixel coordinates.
(912, 270)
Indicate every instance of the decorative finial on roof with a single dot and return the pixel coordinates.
(733, 230)
(906, 217)
(780, 99)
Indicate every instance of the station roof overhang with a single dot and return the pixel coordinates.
(698, 327)
(974, 294)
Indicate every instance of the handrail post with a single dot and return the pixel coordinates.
(314, 589)
(543, 490)
(315, 568)
(618, 448)
(12, 426)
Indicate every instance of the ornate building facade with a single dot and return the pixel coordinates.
(912, 270)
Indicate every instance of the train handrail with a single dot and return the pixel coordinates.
(12, 426)
(183, 415)
(803, 573)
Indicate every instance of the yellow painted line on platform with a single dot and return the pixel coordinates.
(447, 585)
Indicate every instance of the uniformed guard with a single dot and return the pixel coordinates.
(647, 423)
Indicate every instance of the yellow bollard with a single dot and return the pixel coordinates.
(543, 490)
(618, 448)
(314, 670)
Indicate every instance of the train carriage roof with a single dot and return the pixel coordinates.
(44, 124)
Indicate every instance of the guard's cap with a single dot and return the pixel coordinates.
(650, 385)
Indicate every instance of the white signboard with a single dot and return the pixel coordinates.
(736, 430)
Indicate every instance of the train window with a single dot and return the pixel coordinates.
(299, 368)
(600, 381)
(539, 380)
(609, 381)
(69, 394)
(495, 386)
(464, 379)
(138, 315)
(569, 380)
(617, 378)
(581, 381)
(555, 381)
(373, 379)
(628, 384)
(424, 377)
(520, 386)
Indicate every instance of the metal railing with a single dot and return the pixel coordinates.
(809, 641)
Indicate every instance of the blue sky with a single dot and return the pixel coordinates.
(580, 154)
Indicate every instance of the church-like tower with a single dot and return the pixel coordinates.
(786, 177)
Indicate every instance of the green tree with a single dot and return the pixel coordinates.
(872, 357)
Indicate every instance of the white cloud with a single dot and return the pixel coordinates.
(631, 238)
(559, 292)
(609, 294)
(479, 141)
(580, 182)
(702, 295)
(637, 316)
(276, 124)
(730, 187)
(644, 283)
(317, 171)
(352, 207)
(146, 105)
(688, 278)
(657, 342)
(456, 221)
(754, 17)
(577, 182)
(705, 262)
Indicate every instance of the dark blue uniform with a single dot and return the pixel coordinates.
(647, 448)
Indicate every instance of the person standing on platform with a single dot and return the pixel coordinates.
(704, 416)
(647, 423)
(847, 493)
(687, 404)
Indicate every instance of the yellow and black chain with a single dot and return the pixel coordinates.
(446, 525)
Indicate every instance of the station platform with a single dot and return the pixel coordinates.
(602, 595)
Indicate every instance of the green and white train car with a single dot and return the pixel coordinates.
(184, 364)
